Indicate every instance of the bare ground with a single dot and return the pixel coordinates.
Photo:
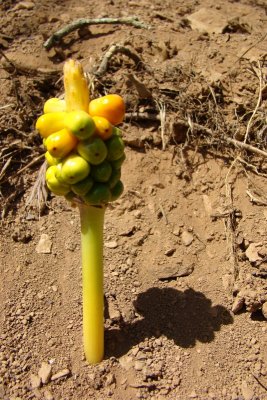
(185, 246)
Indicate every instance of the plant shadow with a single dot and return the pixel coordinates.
(182, 316)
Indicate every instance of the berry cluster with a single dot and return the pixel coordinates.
(84, 149)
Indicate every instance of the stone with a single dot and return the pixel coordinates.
(139, 365)
(170, 271)
(114, 313)
(207, 204)
(60, 374)
(35, 381)
(126, 362)
(208, 20)
(45, 244)
(110, 379)
(26, 5)
(247, 392)
(48, 395)
(45, 372)
(252, 253)
(264, 310)
(187, 238)
(111, 245)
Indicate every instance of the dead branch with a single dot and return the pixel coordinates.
(57, 36)
(115, 49)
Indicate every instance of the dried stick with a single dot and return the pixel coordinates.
(79, 23)
(114, 49)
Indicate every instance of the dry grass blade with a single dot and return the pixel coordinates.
(162, 115)
(115, 49)
(6, 165)
(39, 193)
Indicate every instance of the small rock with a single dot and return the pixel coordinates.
(238, 304)
(207, 204)
(252, 253)
(48, 395)
(264, 310)
(45, 244)
(126, 362)
(35, 381)
(26, 5)
(139, 365)
(208, 20)
(193, 395)
(169, 252)
(176, 231)
(187, 238)
(173, 271)
(45, 372)
(247, 392)
(114, 313)
(37, 394)
(111, 245)
(110, 379)
(61, 374)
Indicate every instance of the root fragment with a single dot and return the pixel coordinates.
(79, 23)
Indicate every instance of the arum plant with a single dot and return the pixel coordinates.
(84, 153)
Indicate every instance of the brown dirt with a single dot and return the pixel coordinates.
(185, 246)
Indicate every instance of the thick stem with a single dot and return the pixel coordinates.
(92, 222)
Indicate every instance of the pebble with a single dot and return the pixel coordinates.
(111, 245)
(264, 310)
(45, 373)
(26, 5)
(35, 381)
(139, 365)
(173, 271)
(126, 362)
(247, 392)
(48, 395)
(45, 244)
(193, 395)
(114, 313)
(110, 379)
(60, 374)
(187, 238)
(207, 20)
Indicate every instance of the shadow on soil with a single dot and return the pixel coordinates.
(185, 317)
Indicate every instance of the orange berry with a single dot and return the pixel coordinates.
(111, 107)
(50, 123)
(103, 127)
(60, 143)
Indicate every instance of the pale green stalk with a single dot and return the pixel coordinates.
(92, 223)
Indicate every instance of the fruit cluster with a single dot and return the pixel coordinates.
(84, 149)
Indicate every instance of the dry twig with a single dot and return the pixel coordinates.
(115, 49)
(39, 191)
(57, 36)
